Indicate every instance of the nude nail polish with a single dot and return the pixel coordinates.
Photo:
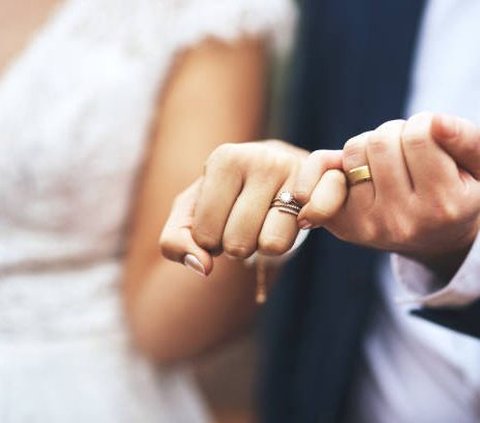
(192, 263)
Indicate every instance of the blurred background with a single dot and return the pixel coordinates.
(109, 109)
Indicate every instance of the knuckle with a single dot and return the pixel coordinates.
(414, 139)
(223, 155)
(354, 158)
(386, 134)
(416, 131)
(378, 142)
(354, 151)
(273, 245)
(371, 232)
(404, 233)
(273, 164)
(206, 240)
(452, 213)
(241, 250)
(287, 159)
(353, 145)
(279, 145)
(276, 143)
(446, 211)
(279, 161)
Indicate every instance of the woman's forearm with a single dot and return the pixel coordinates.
(170, 323)
(215, 94)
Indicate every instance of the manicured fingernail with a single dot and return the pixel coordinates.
(305, 224)
(192, 263)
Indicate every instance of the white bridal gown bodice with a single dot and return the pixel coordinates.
(75, 112)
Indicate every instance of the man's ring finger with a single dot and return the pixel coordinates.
(358, 175)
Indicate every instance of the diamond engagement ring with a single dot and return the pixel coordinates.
(285, 202)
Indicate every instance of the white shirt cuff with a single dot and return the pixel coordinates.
(423, 284)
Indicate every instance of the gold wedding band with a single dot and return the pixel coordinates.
(358, 175)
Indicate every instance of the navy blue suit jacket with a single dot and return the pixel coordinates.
(351, 73)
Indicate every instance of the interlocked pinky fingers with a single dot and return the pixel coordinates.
(312, 169)
(326, 201)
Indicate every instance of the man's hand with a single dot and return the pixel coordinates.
(424, 197)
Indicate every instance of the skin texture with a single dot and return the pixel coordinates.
(424, 200)
(215, 94)
(234, 216)
(420, 203)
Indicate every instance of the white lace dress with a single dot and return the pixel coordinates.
(75, 110)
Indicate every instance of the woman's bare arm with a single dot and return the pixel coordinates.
(215, 94)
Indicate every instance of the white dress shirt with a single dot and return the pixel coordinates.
(414, 370)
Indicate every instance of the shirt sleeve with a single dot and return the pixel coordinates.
(428, 290)
(196, 20)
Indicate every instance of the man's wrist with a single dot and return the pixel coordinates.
(448, 256)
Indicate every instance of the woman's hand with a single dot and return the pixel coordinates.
(228, 209)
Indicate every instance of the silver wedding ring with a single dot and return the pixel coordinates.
(285, 202)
